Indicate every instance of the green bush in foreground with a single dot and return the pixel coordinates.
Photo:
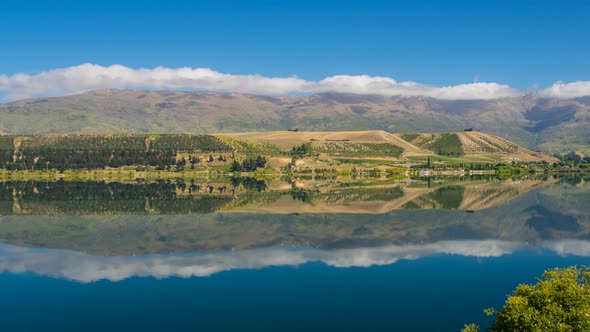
(560, 301)
(471, 328)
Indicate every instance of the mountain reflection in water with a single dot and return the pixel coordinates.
(255, 195)
(92, 231)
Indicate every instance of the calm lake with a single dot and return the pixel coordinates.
(280, 255)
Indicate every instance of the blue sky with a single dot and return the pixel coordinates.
(518, 43)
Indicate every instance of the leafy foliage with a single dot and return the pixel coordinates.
(572, 159)
(6, 150)
(471, 328)
(184, 143)
(248, 164)
(559, 301)
(301, 150)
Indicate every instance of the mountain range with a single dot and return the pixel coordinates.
(544, 124)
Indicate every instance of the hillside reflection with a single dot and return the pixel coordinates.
(255, 195)
(549, 215)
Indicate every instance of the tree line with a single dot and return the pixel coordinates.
(98, 152)
(248, 164)
(572, 159)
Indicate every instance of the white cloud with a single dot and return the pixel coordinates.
(567, 90)
(88, 77)
(389, 87)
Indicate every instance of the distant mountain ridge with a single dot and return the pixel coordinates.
(549, 125)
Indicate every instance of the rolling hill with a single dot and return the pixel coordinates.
(549, 125)
(96, 151)
(472, 145)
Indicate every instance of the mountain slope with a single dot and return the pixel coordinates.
(546, 124)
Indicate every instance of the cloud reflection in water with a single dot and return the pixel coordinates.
(87, 268)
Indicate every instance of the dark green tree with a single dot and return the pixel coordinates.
(235, 166)
(301, 150)
(260, 161)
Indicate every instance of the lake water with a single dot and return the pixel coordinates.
(274, 255)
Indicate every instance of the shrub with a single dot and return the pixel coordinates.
(559, 301)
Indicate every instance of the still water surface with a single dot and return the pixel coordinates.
(268, 256)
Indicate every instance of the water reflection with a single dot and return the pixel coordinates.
(257, 195)
(87, 268)
(121, 231)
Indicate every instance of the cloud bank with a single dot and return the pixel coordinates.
(87, 268)
(86, 77)
(567, 90)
